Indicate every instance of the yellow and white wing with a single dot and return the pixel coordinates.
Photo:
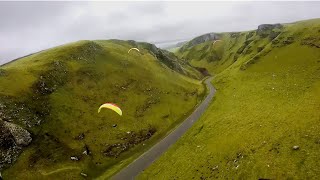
(111, 106)
(136, 49)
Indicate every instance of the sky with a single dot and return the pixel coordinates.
(27, 27)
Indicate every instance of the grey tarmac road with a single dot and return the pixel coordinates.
(146, 159)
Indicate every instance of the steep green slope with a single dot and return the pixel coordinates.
(217, 51)
(264, 121)
(55, 95)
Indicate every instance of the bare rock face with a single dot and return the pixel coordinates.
(21, 136)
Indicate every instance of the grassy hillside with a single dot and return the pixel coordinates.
(264, 121)
(55, 95)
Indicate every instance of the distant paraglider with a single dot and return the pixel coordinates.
(136, 49)
(111, 106)
(215, 41)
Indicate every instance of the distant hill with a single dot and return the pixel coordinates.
(173, 47)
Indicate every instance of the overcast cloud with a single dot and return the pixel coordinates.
(27, 27)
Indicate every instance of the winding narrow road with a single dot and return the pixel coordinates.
(146, 159)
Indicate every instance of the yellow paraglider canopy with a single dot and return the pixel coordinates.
(136, 49)
(111, 106)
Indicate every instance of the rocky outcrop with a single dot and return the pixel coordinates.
(267, 28)
(20, 136)
(12, 138)
(199, 40)
(166, 57)
(311, 41)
